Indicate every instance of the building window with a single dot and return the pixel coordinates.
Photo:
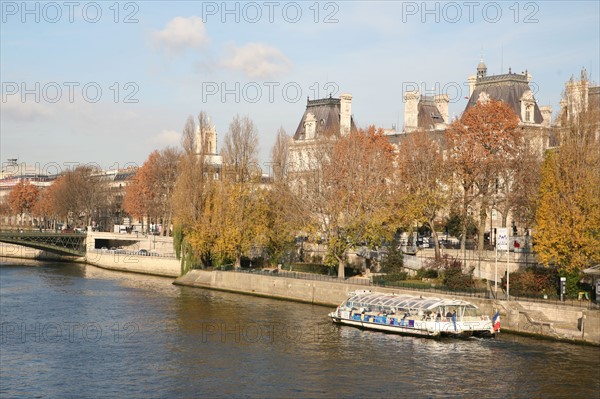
(528, 113)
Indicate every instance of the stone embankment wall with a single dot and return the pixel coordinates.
(552, 321)
(128, 262)
(130, 242)
(158, 266)
(18, 251)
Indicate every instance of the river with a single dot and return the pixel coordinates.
(71, 330)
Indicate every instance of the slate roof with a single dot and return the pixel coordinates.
(508, 88)
(429, 115)
(327, 115)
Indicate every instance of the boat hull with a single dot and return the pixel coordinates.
(430, 329)
(386, 328)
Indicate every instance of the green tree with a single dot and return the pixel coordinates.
(393, 260)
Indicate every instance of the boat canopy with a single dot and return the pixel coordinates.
(373, 299)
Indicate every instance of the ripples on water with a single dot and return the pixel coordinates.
(74, 330)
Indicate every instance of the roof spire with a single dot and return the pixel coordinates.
(481, 69)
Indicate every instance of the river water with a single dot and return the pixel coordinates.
(71, 330)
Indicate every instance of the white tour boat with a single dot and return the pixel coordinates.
(415, 315)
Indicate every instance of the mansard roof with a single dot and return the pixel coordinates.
(327, 115)
(429, 114)
(508, 88)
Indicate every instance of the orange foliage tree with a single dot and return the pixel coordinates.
(480, 144)
(423, 178)
(22, 198)
(151, 191)
(351, 197)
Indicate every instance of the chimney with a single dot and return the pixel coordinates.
(411, 110)
(441, 103)
(345, 114)
(472, 79)
(547, 115)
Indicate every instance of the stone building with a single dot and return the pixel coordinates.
(425, 112)
(579, 95)
(206, 146)
(323, 118)
(11, 173)
(514, 90)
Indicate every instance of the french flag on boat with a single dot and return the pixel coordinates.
(496, 321)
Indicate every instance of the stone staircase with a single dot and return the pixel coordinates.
(534, 322)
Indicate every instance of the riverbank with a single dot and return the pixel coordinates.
(21, 252)
(151, 265)
(553, 321)
(557, 322)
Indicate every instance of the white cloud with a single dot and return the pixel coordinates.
(166, 138)
(15, 110)
(182, 33)
(257, 60)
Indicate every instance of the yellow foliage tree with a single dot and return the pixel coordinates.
(568, 214)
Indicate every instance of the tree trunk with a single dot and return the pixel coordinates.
(434, 236)
(341, 268)
(482, 220)
(238, 261)
(463, 239)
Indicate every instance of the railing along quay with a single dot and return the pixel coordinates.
(475, 293)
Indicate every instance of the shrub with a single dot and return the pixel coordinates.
(453, 276)
(534, 282)
(400, 276)
(427, 273)
(393, 260)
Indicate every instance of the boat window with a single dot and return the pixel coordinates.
(472, 311)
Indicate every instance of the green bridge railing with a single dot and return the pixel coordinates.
(70, 244)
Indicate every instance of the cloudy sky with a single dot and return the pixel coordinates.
(107, 83)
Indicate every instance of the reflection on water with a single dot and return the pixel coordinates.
(75, 330)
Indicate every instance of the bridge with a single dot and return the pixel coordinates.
(68, 244)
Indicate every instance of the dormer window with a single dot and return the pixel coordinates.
(527, 107)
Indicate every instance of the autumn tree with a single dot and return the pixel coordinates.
(424, 179)
(279, 155)
(45, 208)
(79, 195)
(22, 198)
(240, 150)
(238, 200)
(151, 191)
(135, 201)
(241, 219)
(517, 185)
(194, 197)
(350, 194)
(479, 143)
(567, 220)
(285, 211)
